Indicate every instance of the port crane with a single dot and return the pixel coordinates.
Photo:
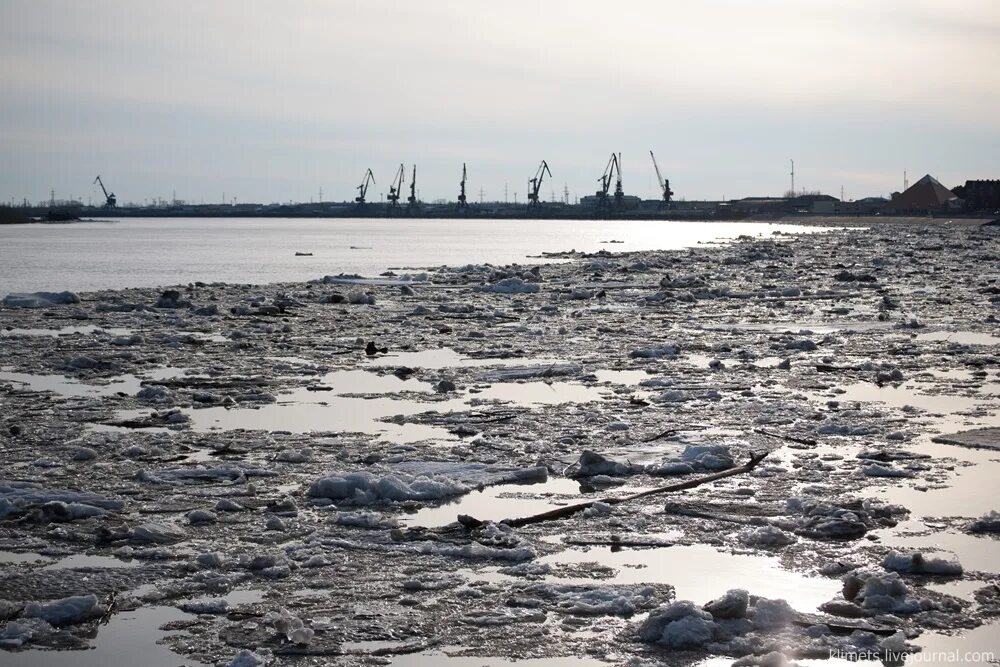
(535, 184)
(368, 179)
(110, 201)
(613, 168)
(663, 183)
(619, 193)
(461, 195)
(411, 201)
(396, 188)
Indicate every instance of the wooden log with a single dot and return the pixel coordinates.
(570, 510)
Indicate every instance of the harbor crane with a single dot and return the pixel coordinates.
(411, 201)
(110, 201)
(663, 183)
(461, 194)
(535, 184)
(619, 193)
(613, 168)
(368, 179)
(396, 188)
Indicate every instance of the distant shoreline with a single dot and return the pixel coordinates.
(798, 219)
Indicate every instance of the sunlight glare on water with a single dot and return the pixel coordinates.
(150, 252)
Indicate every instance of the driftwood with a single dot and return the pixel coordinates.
(788, 438)
(570, 510)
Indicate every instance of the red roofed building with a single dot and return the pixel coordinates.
(925, 196)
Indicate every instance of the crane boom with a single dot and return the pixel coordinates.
(461, 194)
(367, 180)
(411, 201)
(659, 176)
(110, 201)
(663, 183)
(619, 193)
(396, 187)
(536, 182)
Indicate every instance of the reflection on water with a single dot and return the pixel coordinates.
(701, 573)
(494, 503)
(961, 337)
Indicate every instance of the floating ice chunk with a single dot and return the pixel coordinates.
(17, 497)
(39, 299)
(18, 633)
(195, 517)
(772, 614)
(512, 286)
(213, 607)
(476, 550)
(917, 563)
(766, 536)
(595, 600)
(498, 617)
(359, 298)
(882, 592)
(420, 480)
(591, 463)
(83, 454)
(879, 470)
(772, 659)
(228, 472)
(67, 611)
(364, 488)
(275, 522)
(678, 625)
(157, 533)
(671, 396)
(988, 523)
(598, 509)
(695, 458)
(155, 394)
(247, 658)
(831, 428)
(656, 352)
(733, 604)
(370, 520)
(60, 511)
(227, 505)
(212, 559)
(294, 456)
(291, 626)
(316, 560)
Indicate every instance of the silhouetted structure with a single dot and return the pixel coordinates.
(925, 196)
(981, 195)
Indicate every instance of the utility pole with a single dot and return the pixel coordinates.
(906, 182)
(841, 193)
(793, 177)
(321, 194)
(481, 193)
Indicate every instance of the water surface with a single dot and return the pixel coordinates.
(149, 252)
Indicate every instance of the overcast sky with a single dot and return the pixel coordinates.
(271, 101)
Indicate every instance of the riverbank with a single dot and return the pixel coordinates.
(279, 468)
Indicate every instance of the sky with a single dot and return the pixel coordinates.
(263, 101)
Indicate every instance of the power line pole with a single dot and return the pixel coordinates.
(793, 177)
